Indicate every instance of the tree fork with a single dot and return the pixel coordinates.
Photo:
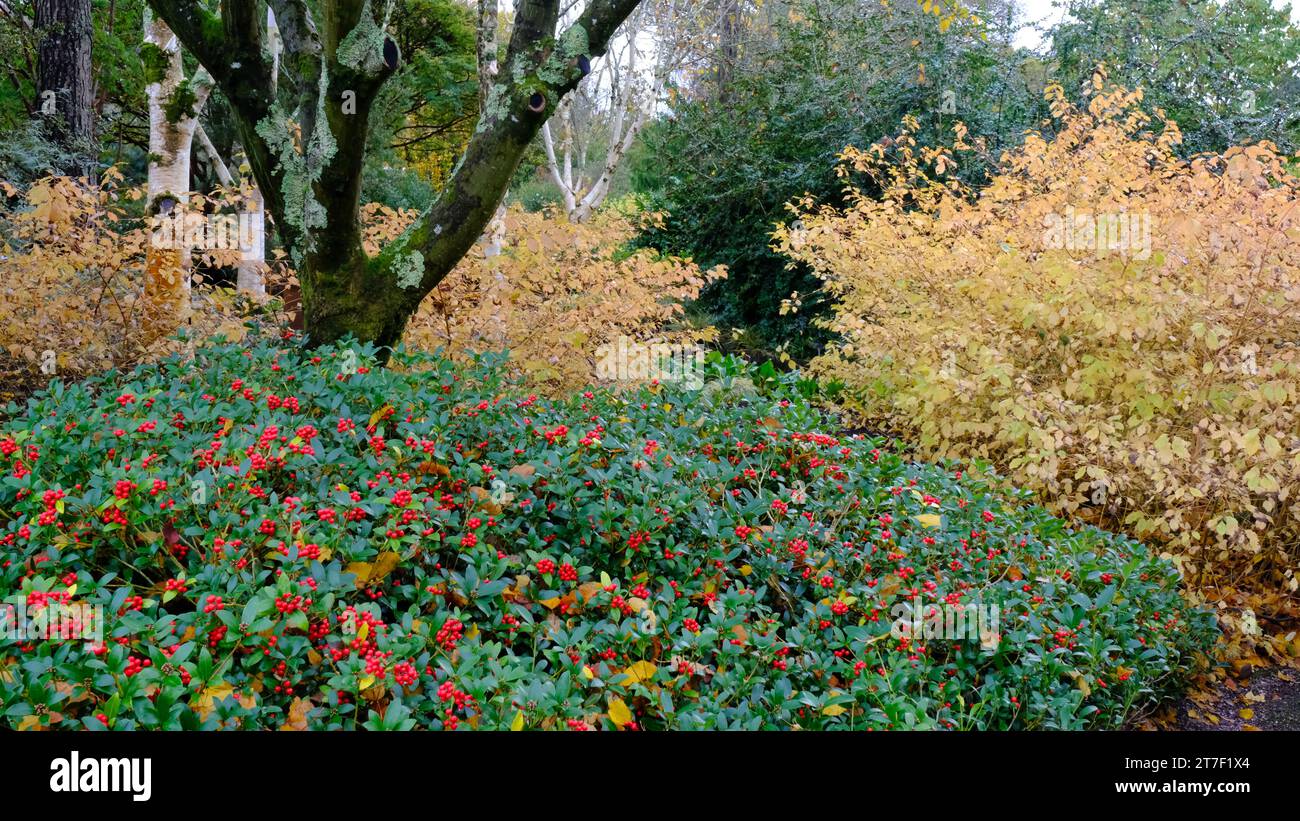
(309, 169)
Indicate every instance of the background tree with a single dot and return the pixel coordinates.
(598, 124)
(425, 114)
(307, 147)
(1225, 70)
(174, 106)
(792, 83)
(64, 80)
(120, 110)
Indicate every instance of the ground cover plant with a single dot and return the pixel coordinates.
(297, 539)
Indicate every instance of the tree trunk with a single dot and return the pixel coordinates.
(251, 275)
(251, 272)
(64, 81)
(728, 51)
(173, 117)
(308, 157)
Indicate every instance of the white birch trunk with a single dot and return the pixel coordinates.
(167, 282)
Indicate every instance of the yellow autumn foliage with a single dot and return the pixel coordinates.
(1112, 326)
(557, 292)
(72, 268)
(72, 271)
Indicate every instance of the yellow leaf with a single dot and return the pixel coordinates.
(639, 671)
(483, 500)
(930, 519)
(834, 710)
(368, 573)
(374, 417)
(1081, 682)
(210, 696)
(619, 713)
(297, 721)
(30, 723)
(588, 591)
(889, 587)
(518, 723)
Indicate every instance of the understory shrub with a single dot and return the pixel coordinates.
(72, 270)
(290, 539)
(556, 293)
(1116, 328)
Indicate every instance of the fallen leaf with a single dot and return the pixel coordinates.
(370, 572)
(297, 720)
(931, 520)
(483, 498)
(588, 591)
(31, 724)
(208, 699)
(619, 712)
(639, 672)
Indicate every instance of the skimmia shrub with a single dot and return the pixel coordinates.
(1116, 328)
(288, 539)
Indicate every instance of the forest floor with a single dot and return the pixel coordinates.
(1268, 700)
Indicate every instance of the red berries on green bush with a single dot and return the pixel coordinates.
(369, 552)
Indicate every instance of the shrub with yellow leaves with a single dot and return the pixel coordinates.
(1116, 328)
(72, 262)
(555, 294)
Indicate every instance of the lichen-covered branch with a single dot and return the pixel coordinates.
(307, 156)
(541, 67)
(488, 58)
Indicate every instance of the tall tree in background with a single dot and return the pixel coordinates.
(786, 86)
(1228, 71)
(618, 99)
(64, 80)
(307, 152)
(120, 108)
(425, 114)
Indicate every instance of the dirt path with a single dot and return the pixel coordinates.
(1269, 700)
